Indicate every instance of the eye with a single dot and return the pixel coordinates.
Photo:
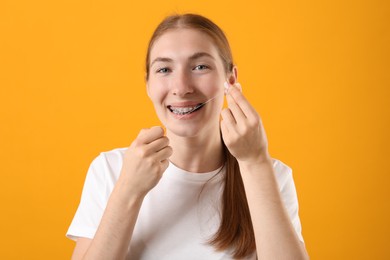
(163, 70)
(201, 67)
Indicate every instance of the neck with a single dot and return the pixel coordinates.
(197, 154)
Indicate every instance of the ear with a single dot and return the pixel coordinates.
(233, 76)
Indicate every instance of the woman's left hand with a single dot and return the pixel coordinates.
(242, 129)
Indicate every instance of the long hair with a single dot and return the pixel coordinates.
(236, 230)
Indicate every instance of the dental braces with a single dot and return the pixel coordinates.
(200, 105)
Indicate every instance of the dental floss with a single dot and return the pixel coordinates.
(201, 105)
(226, 89)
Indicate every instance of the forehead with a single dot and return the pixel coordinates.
(183, 43)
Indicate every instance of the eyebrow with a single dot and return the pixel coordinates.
(161, 59)
(194, 56)
(198, 55)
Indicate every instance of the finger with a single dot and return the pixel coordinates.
(228, 119)
(147, 136)
(164, 164)
(242, 102)
(224, 129)
(158, 144)
(236, 111)
(164, 153)
(228, 86)
(238, 85)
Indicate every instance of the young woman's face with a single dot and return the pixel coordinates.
(185, 71)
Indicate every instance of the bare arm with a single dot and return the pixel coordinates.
(81, 247)
(245, 137)
(113, 236)
(118, 233)
(274, 233)
(143, 165)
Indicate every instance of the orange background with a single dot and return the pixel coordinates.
(71, 86)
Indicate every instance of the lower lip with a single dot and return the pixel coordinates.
(185, 116)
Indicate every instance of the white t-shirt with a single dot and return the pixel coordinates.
(177, 217)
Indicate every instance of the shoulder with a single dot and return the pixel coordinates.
(283, 172)
(108, 163)
(113, 157)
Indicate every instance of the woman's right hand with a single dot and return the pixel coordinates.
(145, 161)
(143, 165)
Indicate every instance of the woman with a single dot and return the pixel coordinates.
(208, 189)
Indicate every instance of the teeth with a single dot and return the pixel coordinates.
(183, 110)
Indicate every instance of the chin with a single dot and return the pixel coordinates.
(187, 130)
(199, 128)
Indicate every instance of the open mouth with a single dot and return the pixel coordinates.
(185, 110)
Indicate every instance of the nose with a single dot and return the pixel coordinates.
(182, 84)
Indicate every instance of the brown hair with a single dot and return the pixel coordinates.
(236, 230)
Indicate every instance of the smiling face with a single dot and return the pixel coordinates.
(186, 71)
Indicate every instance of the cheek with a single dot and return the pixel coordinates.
(156, 92)
(211, 84)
